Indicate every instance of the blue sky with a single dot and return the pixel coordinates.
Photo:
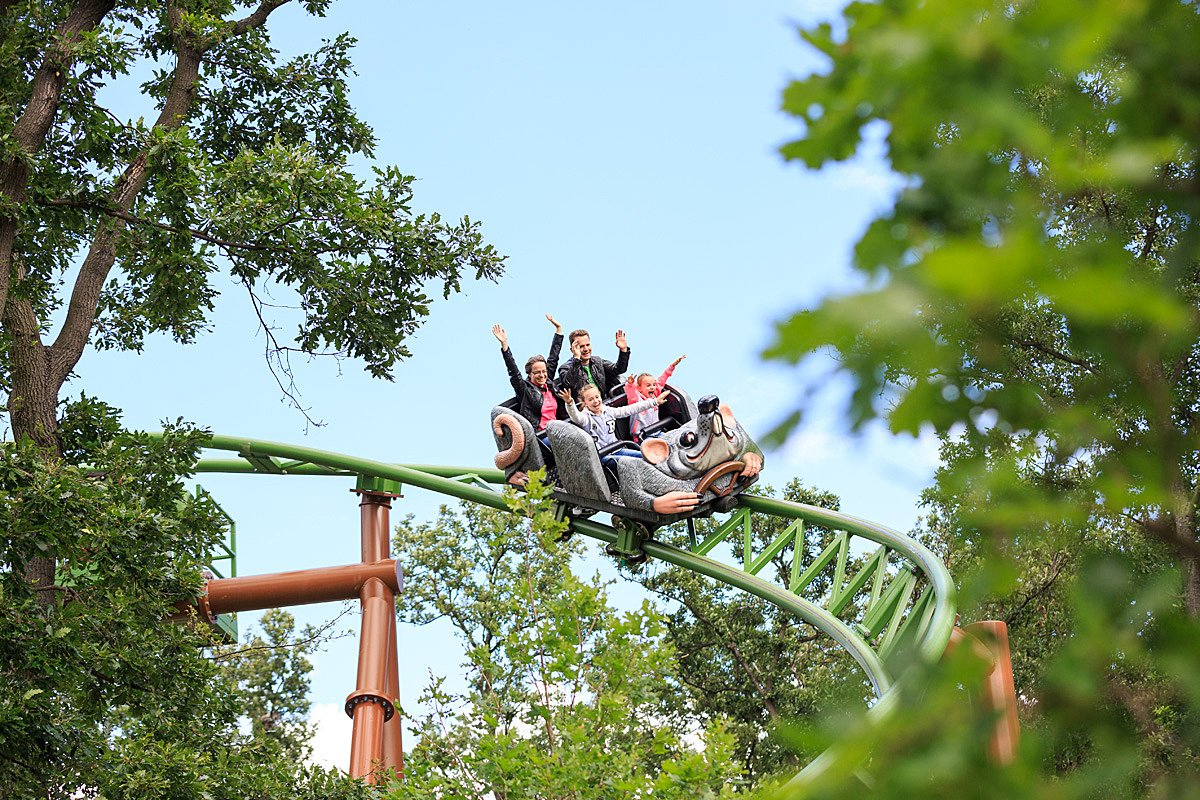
(624, 157)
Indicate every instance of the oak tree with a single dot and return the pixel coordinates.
(117, 225)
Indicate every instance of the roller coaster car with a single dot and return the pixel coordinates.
(708, 456)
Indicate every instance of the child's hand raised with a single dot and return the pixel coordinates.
(564, 395)
(662, 398)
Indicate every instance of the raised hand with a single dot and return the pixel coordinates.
(622, 345)
(662, 398)
(554, 322)
(675, 363)
(564, 395)
(501, 336)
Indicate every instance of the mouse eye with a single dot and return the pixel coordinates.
(688, 439)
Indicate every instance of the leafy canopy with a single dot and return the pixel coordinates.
(181, 145)
(1032, 296)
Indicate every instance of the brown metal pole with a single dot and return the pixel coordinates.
(369, 705)
(393, 732)
(373, 512)
(999, 691)
(321, 585)
(377, 741)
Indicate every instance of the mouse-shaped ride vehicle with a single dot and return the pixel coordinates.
(694, 469)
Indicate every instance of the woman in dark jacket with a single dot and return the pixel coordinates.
(536, 400)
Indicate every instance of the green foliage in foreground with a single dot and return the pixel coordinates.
(102, 696)
(1034, 297)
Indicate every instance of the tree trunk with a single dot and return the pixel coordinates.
(38, 371)
(31, 128)
(1191, 569)
(32, 401)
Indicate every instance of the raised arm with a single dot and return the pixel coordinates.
(666, 376)
(510, 364)
(555, 348)
(574, 413)
(634, 408)
(614, 371)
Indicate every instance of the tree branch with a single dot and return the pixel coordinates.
(81, 313)
(1151, 234)
(125, 216)
(1060, 561)
(257, 18)
(278, 360)
(1052, 352)
(319, 634)
(31, 129)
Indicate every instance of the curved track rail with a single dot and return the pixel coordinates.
(901, 593)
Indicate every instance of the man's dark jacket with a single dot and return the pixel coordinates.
(529, 397)
(605, 374)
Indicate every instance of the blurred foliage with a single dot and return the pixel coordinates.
(1032, 297)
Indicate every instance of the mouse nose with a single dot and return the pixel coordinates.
(708, 404)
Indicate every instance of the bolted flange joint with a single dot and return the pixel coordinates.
(355, 699)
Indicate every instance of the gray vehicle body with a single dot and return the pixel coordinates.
(715, 438)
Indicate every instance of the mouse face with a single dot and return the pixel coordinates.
(712, 438)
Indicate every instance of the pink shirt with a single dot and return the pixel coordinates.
(650, 415)
(549, 407)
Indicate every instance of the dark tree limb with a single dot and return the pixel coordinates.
(195, 233)
(257, 18)
(1060, 562)
(1054, 353)
(32, 127)
(81, 313)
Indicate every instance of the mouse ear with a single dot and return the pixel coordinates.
(655, 450)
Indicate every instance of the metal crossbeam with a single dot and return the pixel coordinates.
(723, 530)
(793, 534)
(262, 463)
(844, 595)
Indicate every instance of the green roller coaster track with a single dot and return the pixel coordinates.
(902, 593)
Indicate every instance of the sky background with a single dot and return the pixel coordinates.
(624, 157)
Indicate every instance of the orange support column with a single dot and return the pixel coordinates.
(378, 741)
(999, 692)
(369, 705)
(393, 742)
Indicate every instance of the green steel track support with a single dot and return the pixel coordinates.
(869, 623)
(226, 552)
